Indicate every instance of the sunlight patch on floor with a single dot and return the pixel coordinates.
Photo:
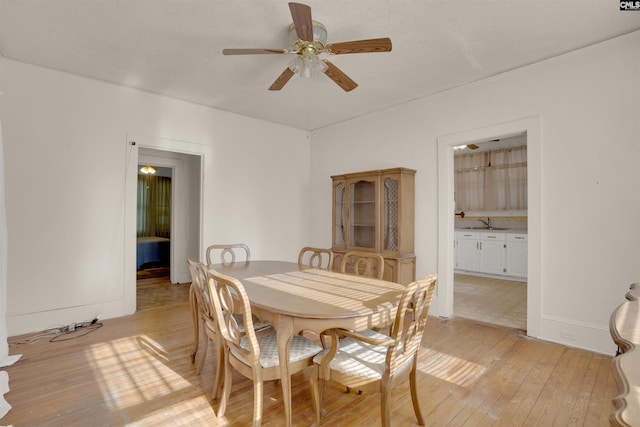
(449, 368)
(133, 370)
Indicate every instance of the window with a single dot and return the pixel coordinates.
(491, 180)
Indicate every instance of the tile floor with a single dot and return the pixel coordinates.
(500, 302)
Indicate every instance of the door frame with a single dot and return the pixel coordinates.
(133, 144)
(446, 207)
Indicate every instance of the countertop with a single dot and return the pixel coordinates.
(493, 230)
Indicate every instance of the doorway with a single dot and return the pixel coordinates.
(153, 221)
(490, 190)
(446, 208)
(186, 163)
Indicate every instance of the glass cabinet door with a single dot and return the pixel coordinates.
(339, 214)
(362, 214)
(390, 214)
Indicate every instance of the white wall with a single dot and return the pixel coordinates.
(67, 154)
(67, 247)
(587, 103)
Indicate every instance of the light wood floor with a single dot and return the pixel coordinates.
(159, 291)
(495, 301)
(136, 371)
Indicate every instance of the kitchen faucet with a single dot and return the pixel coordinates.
(487, 222)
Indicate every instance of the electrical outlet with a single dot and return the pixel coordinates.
(567, 334)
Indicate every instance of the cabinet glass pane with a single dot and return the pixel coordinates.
(339, 197)
(390, 202)
(362, 225)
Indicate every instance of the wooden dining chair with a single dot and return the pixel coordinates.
(253, 354)
(205, 330)
(227, 253)
(362, 263)
(311, 257)
(372, 361)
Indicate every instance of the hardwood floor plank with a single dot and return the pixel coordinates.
(531, 388)
(599, 397)
(503, 381)
(136, 370)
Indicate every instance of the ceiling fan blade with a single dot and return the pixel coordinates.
(282, 79)
(360, 46)
(301, 14)
(472, 146)
(252, 51)
(339, 77)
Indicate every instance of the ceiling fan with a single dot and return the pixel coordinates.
(311, 37)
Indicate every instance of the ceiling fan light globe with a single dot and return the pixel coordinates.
(296, 64)
(306, 71)
(310, 59)
(319, 33)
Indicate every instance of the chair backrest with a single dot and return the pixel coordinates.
(198, 284)
(411, 318)
(228, 297)
(363, 264)
(227, 253)
(310, 257)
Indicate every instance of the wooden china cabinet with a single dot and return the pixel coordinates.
(374, 211)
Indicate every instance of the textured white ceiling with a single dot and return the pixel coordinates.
(174, 47)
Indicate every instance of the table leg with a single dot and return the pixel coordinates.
(284, 334)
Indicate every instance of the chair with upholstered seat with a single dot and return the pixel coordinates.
(253, 354)
(310, 257)
(204, 327)
(204, 323)
(227, 253)
(372, 361)
(367, 264)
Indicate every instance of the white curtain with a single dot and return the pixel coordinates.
(491, 180)
(5, 359)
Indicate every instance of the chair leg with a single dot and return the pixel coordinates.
(414, 394)
(257, 398)
(226, 391)
(218, 380)
(316, 393)
(385, 406)
(196, 320)
(202, 351)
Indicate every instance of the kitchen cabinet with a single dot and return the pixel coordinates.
(467, 256)
(490, 252)
(374, 211)
(516, 261)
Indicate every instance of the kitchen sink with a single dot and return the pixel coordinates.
(485, 228)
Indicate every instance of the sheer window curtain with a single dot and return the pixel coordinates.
(5, 359)
(492, 180)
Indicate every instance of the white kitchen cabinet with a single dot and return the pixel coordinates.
(467, 255)
(516, 261)
(493, 253)
(491, 249)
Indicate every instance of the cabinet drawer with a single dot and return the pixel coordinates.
(512, 237)
(467, 235)
(497, 237)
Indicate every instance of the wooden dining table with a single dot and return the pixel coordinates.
(295, 300)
